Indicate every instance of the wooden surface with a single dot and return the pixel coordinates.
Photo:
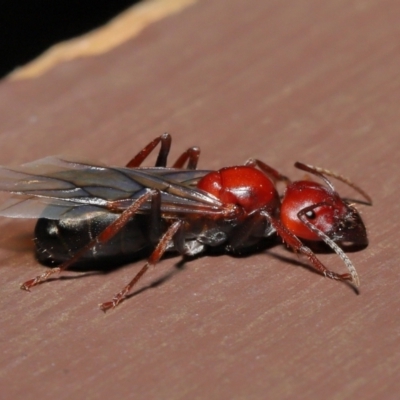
(305, 80)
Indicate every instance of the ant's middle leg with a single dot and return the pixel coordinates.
(191, 156)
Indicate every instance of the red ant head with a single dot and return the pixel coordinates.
(316, 212)
(309, 208)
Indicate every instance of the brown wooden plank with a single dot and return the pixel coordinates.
(281, 81)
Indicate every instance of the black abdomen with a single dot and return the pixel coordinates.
(58, 240)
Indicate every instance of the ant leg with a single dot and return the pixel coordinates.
(165, 140)
(103, 237)
(152, 260)
(271, 172)
(191, 155)
(154, 227)
(294, 242)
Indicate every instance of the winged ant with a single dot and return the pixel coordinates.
(91, 211)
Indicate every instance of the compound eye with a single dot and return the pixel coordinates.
(311, 214)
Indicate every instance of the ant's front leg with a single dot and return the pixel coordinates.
(295, 243)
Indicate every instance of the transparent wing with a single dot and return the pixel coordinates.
(52, 187)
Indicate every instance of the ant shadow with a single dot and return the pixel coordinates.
(262, 247)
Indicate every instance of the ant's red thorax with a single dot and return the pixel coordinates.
(244, 186)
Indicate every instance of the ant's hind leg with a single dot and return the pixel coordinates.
(104, 236)
(191, 155)
(153, 259)
(165, 140)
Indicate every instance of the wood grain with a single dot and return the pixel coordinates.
(309, 81)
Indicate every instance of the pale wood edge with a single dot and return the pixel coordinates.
(120, 29)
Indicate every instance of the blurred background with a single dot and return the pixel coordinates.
(28, 28)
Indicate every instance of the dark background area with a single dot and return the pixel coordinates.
(29, 28)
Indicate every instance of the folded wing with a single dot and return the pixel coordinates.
(52, 188)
